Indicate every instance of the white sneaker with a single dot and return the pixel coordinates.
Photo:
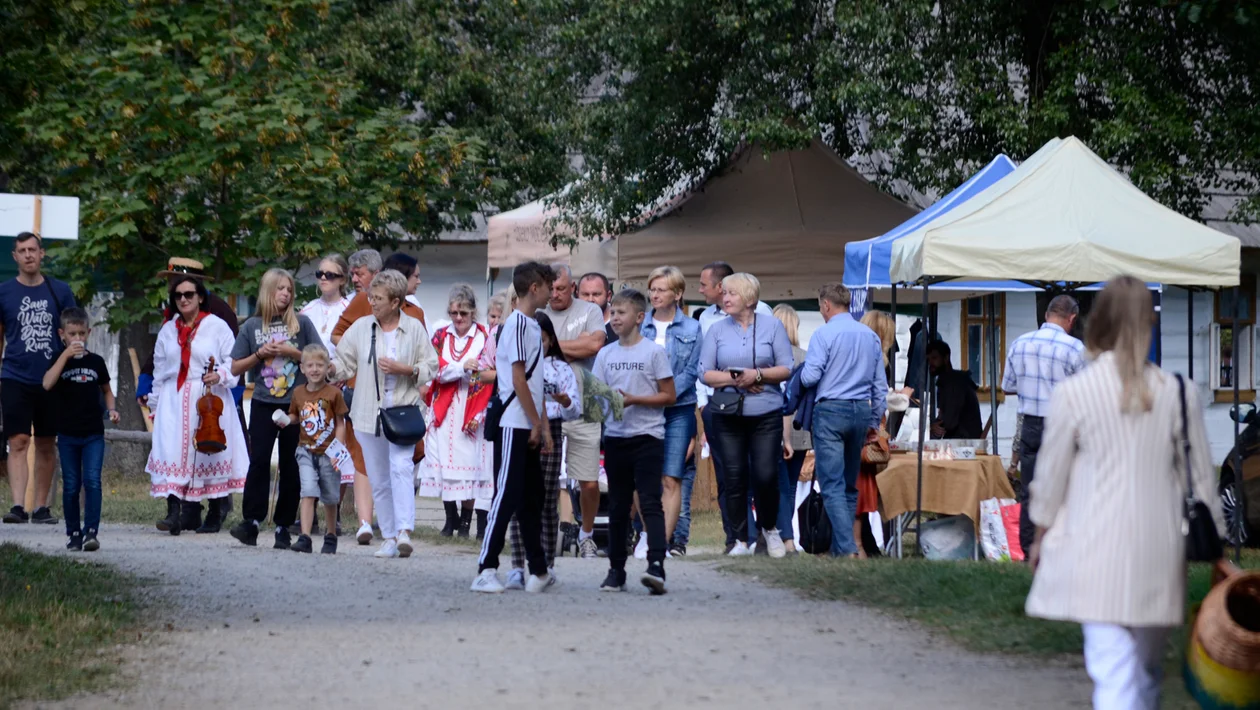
(774, 544)
(404, 544)
(587, 549)
(389, 550)
(740, 550)
(516, 580)
(365, 533)
(487, 582)
(537, 585)
(641, 549)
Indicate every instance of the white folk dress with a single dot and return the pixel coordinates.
(457, 465)
(175, 466)
(325, 316)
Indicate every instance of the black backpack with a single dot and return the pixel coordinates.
(815, 537)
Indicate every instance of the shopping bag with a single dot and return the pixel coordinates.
(993, 536)
(1010, 520)
(951, 538)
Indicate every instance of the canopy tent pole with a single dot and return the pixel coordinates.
(1240, 509)
(993, 368)
(1189, 333)
(1158, 338)
(895, 348)
(924, 413)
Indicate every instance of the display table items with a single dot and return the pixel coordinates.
(950, 487)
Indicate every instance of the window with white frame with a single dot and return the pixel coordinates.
(1232, 350)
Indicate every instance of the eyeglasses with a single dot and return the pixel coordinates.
(659, 291)
(185, 295)
(330, 275)
(460, 314)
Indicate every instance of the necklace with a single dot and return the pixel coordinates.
(456, 354)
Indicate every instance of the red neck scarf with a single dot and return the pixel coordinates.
(442, 394)
(185, 334)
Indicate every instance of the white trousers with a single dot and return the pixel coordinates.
(1125, 665)
(392, 475)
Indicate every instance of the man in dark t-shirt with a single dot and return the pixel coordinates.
(30, 309)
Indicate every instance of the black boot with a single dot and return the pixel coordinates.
(465, 522)
(481, 525)
(190, 515)
(452, 518)
(171, 522)
(214, 519)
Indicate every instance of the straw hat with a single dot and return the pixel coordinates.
(179, 266)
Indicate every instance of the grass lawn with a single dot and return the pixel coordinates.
(59, 622)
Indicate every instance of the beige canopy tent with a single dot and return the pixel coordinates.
(785, 218)
(526, 234)
(1065, 215)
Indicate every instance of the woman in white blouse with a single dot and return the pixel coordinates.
(1107, 501)
(393, 351)
(333, 279)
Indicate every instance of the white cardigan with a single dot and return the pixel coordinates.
(1109, 487)
(353, 352)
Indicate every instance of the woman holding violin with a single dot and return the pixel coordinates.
(194, 457)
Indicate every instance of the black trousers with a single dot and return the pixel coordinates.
(751, 448)
(1029, 446)
(518, 490)
(634, 464)
(262, 439)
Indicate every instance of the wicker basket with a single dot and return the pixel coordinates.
(1229, 621)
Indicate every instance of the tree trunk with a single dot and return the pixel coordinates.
(135, 336)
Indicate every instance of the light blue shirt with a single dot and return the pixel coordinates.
(728, 344)
(845, 362)
(708, 317)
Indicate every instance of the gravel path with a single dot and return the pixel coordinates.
(254, 627)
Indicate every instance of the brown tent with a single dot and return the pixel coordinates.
(785, 219)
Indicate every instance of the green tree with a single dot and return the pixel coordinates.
(222, 131)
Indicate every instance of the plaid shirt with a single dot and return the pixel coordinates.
(1037, 363)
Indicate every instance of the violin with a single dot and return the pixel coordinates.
(209, 436)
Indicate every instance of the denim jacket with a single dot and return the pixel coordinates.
(682, 344)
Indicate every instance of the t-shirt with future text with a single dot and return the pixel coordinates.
(520, 340)
(77, 395)
(276, 377)
(317, 414)
(635, 369)
(31, 315)
(575, 321)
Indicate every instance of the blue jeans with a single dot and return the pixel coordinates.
(840, 428)
(682, 531)
(789, 474)
(81, 459)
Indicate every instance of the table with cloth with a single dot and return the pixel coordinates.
(950, 487)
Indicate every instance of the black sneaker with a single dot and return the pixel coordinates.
(76, 542)
(614, 582)
(17, 514)
(762, 549)
(330, 545)
(282, 538)
(303, 543)
(246, 532)
(678, 550)
(44, 516)
(90, 543)
(654, 578)
(729, 546)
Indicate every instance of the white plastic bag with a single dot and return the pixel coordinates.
(993, 538)
(909, 431)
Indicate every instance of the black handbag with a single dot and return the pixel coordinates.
(815, 537)
(402, 425)
(1203, 542)
(729, 401)
(496, 407)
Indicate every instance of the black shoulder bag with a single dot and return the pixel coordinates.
(403, 425)
(497, 406)
(1203, 542)
(729, 400)
(815, 537)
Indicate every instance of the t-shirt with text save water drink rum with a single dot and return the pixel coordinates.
(636, 369)
(31, 316)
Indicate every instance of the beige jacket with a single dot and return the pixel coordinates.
(1109, 488)
(352, 358)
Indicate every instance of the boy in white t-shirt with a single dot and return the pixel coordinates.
(523, 435)
(634, 447)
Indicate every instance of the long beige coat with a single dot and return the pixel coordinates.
(1109, 486)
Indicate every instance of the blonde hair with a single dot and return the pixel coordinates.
(1120, 323)
(791, 322)
(674, 279)
(393, 283)
(885, 327)
(746, 286)
(267, 309)
(314, 351)
(344, 267)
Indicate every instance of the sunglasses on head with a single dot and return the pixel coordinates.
(330, 275)
(185, 295)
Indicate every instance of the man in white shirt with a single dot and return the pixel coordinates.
(580, 328)
(711, 288)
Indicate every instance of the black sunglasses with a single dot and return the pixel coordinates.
(330, 275)
(185, 295)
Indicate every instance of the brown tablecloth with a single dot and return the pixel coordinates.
(949, 487)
